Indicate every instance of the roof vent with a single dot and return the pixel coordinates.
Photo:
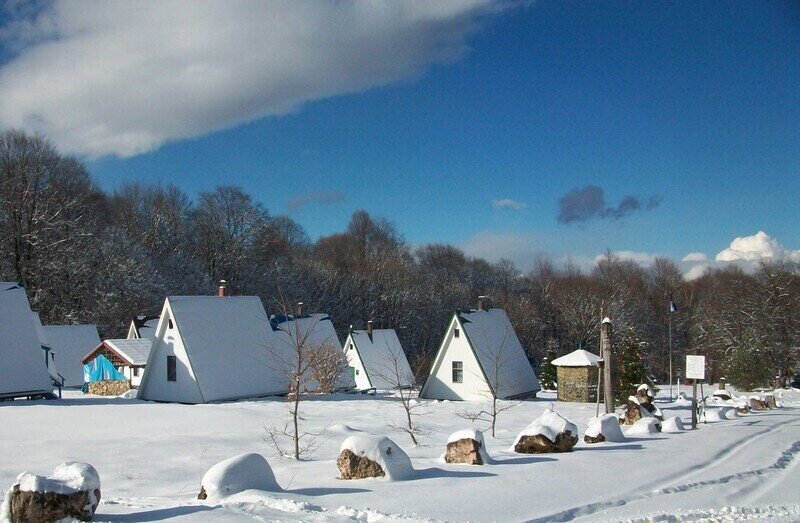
(222, 290)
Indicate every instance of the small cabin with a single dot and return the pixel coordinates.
(128, 356)
(577, 374)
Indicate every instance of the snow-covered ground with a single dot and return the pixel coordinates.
(151, 458)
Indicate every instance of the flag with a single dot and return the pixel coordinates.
(672, 306)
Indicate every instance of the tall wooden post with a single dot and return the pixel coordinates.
(694, 404)
(608, 382)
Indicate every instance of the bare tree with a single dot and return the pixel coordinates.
(496, 363)
(328, 367)
(403, 381)
(298, 347)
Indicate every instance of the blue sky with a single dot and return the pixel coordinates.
(697, 103)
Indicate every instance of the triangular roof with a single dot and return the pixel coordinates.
(143, 327)
(22, 362)
(578, 358)
(382, 358)
(498, 351)
(312, 329)
(70, 343)
(133, 353)
(226, 343)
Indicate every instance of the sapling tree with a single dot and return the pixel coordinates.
(296, 349)
(496, 362)
(403, 381)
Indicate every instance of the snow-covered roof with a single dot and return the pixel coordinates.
(145, 326)
(383, 358)
(135, 352)
(578, 358)
(311, 330)
(499, 350)
(70, 343)
(22, 364)
(226, 340)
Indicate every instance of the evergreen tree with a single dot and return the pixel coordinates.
(631, 371)
(548, 377)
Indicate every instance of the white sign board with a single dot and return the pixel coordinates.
(695, 367)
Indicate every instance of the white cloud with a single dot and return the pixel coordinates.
(695, 257)
(757, 247)
(508, 203)
(126, 77)
(745, 252)
(522, 249)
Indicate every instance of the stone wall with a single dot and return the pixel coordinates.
(109, 387)
(577, 384)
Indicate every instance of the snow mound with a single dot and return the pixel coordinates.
(340, 427)
(674, 424)
(237, 474)
(472, 434)
(67, 478)
(608, 426)
(395, 463)
(722, 394)
(714, 414)
(643, 427)
(131, 394)
(683, 400)
(549, 424)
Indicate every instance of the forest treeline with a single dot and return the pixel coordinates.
(86, 256)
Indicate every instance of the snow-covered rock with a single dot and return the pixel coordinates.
(674, 424)
(550, 432)
(683, 400)
(467, 446)
(237, 474)
(714, 413)
(722, 394)
(644, 427)
(72, 491)
(131, 394)
(604, 428)
(359, 452)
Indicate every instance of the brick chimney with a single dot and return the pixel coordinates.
(481, 303)
(301, 309)
(369, 329)
(222, 290)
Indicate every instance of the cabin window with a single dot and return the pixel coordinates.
(357, 373)
(170, 324)
(351, 346)
(136, 371)
(458, 372)
(172, 368)
(456, 332)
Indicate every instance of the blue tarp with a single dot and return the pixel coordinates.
(100, 369)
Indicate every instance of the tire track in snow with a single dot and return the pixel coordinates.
(786, 458)
(724, 454)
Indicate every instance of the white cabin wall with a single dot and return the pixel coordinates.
(168, 343)
(440, 384)
(132, 335)
(360, 373)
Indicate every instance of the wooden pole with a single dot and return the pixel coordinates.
(608, 383)
(694, 404)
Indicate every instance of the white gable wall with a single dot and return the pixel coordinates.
(359, 372)
(132, 334)
(440, 385)
(154, 384)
